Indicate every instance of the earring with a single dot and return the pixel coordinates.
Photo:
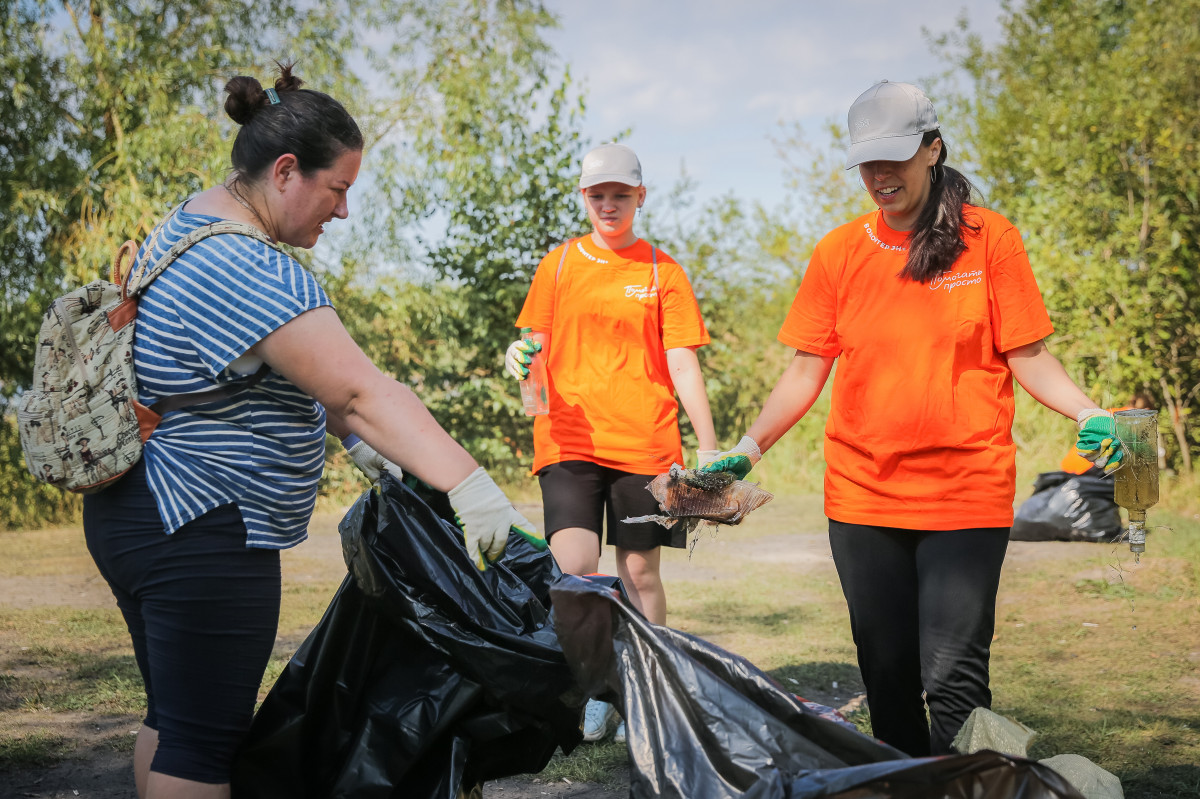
(934, 174)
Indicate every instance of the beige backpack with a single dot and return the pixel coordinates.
(80, 423)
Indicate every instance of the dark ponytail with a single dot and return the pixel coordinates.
(310, 125)
(937, 239)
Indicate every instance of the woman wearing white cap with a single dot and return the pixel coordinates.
(618, 324)
(930, 307)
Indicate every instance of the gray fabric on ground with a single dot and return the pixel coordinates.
(984, 729)
(1091, 780)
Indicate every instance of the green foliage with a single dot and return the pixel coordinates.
(478, 180)
(115, 117)
(744, 289)
(24, 502)
(1085, 124)
(745, 264)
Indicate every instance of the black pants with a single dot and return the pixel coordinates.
(922, 612)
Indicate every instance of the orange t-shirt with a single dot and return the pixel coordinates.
(919, 434)
(612, 401)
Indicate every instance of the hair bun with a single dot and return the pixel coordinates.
(246, 98)
(287, 82)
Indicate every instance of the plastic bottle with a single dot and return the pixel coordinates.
(1135, 483)
(534, 392)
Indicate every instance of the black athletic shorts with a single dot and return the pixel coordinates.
(583, 494)
(202, 609)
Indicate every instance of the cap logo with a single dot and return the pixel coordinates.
(862, 123)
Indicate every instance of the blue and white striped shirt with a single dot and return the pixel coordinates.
(263, 449)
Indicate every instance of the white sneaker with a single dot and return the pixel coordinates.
(597, 719)
(619, 735)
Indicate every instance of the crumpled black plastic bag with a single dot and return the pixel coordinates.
(1068, 507)
(424, 677)
(703, 723)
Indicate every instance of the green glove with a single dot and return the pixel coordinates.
(705, 457)
(1098, 440)
(487, 518)
(518, 357)
(737, 461)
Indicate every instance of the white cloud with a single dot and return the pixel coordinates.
(709, 81)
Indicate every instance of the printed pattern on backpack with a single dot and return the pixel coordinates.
(80, 424)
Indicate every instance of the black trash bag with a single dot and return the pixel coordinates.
(1069, 507)
(425, 677)
(703, 723)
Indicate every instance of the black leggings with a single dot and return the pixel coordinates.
(202, 610)
(922, 612)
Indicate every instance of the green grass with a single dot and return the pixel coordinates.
(589, 762)
(1097, 653)
(35, 749)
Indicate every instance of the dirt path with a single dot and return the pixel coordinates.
(99, 766)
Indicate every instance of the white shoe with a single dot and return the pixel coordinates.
(619, 735)
(597, 720)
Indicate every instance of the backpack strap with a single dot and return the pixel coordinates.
(563, 259)
(232, 389)
(141, 279)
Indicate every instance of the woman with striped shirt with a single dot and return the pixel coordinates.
(189, 539)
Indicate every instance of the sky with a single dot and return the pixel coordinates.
(706, 83)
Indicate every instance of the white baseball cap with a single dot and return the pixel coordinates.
(887, 123)
(610, 163)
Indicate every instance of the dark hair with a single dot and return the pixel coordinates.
(310, 125)
(937, 239)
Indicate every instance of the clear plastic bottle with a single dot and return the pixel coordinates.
(1135, 482)
(534, 391)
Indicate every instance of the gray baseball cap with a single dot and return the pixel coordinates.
(611, 163)
(887, 122)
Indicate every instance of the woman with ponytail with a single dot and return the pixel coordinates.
(930, 308)
(189, 539)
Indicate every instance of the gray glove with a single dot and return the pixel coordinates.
(371, 463)
(487, 517)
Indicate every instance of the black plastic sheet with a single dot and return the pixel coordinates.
(425, 677)
(1069, 507)
(704, 723)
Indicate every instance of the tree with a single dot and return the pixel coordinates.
(477, 183)
(1085, 125)
(117, 115)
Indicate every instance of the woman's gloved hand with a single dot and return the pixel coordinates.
(520, 354)
(705, 457)
(368, 461)
(737, 461)
(1098, 440)
(487, 518)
